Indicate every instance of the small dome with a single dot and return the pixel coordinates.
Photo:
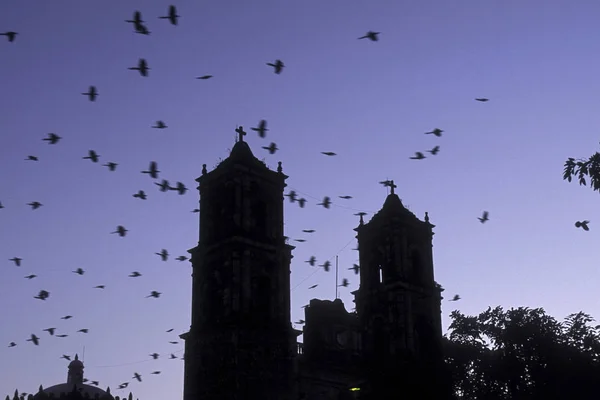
(76, 364)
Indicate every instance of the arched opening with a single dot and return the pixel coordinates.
(417, 272)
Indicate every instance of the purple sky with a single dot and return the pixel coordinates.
(370, 102)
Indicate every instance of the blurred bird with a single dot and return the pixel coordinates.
(204, 77)
(437, 132)
(329, 153)
(278, 66)
(137, 18)
(154, 356)
(164, 255)
(261, 129)
(301, 202)
(355, 268)
(164, 185)
(42, 295)
(482, 99)
(10, 35)
(99, 287)
(291, 195)
(344, 283)
(181, 258)
(172, 17)
(272, 148)
(12, 344)
(140, 195)
(34, 339)
(111, 166)
(142, 67)
(84, 330)
(134, 274)
(311, 261)
(180, 188)
(345, 197)
(92, 155)
(160, 125)
(30, 276)
(16, 260)
(308, 230)
(326, 265)
(300, 240)
(418, 156)
(154, 294)
(50, 331)
(141, 29)
(35, 205)
(137, 376)
(373, 36)
(583, 225)
(79, 271)
(313, 286)
(484, 217)
(52, 138)
(435, 150)
(121, 231)
(326, 202)
(455, 298)
(31, 158)
(92, 93)
(66, 317)
(152, 170)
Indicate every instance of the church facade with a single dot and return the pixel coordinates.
(241, 343)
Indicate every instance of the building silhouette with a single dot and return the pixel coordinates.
(241, 343)
(74, 389)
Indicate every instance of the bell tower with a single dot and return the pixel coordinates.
(398, 303)
(241, 343)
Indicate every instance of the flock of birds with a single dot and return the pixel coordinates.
(164, 185)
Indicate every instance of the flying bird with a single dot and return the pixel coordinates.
(164, 255)
(12, 344)
(435, 150)
(84, 330)
(482, 99)
(326, 202)
(373, 36)
(355, 268)
(272, 148)
(169, 330)
(92, 93)
(134, 274)
(16, 260)
(308, 230)
(278, 66)
(455, 298)
(111, 166)
(42, 295)
(437, 132)
(137, 18)
(583, 225)
(141, 29)
(35, 205)
(292, 195)
(345, 197)
(66, 317)
(92, 155)
(142, 67)
(180, 188)
(326, 265)
(10, 35)
(181, 258)
(311, 261)
(30, 276)
(172, 17)
(137, 376)
(484, 217)
(34, 339)
(164, 185)
(418, 156)
(344, 283)
(121, 231)
(99, 287)
(52, 138)
(301, 202)
(79, 271)
(152, 170)
(204, 77)
(329, 153)
(261, 129)
(140, 195)
(31, 158)
(313, 286)
(154, 294)
(160, 125)
(50, 331)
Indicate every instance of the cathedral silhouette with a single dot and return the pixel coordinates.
(241, 343)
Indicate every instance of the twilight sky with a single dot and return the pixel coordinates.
(370, 102)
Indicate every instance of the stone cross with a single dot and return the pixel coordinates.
(241, 133)
(392, 186)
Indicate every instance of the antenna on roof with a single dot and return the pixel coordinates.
(336, 277)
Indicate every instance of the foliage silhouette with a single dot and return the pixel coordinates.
(523, 353)
(582, 168)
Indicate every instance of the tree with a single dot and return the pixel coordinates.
(523, 354)
(582, 168)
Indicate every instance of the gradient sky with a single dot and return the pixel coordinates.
(370, 102)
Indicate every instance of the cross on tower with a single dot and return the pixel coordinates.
(392, 186)
(241, 133)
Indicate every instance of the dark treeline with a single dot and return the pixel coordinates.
(523, 353)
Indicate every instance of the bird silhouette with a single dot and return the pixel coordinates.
(137, 376)
(204, 77)
(10, 35)
(99, 287)
(308, 230)
(180, 188)
(42, 295)
(152, 170)
(140, 195)
(261, 129)
(301, 202)
(35, 205)
(92, 93)
(164, 185)
(164, 255)
(300, 240)
(31, 158)
(583, 225)
(141, 29)
(484, 217)
(52, 138)
(142, 67)
(12, 344)
(345, 197)
(137, 18)
(30, 276)
(169, 330)
(66, 317)
(482, 99)
(311, 261)
(154, 294)
(181, 258)
(160, 125)
(455, 298)
(313, 286)
(435, 150)
(92, 155)
(16, 260)
(373, 36)
(329, 153)
(134, 274)
(291, 195)
(326, 265)
(277, 66)
(418, 156)
(272, 148)
(172, 17)
(155, 356)
(50, 331)
(437, 132)
(326, 202)
(344, 283)
(355, 268)
(84, 330)
(34, 339)
(111, 166)
(68, 358)
(62, 336)
(79, 271)
(121, 231)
